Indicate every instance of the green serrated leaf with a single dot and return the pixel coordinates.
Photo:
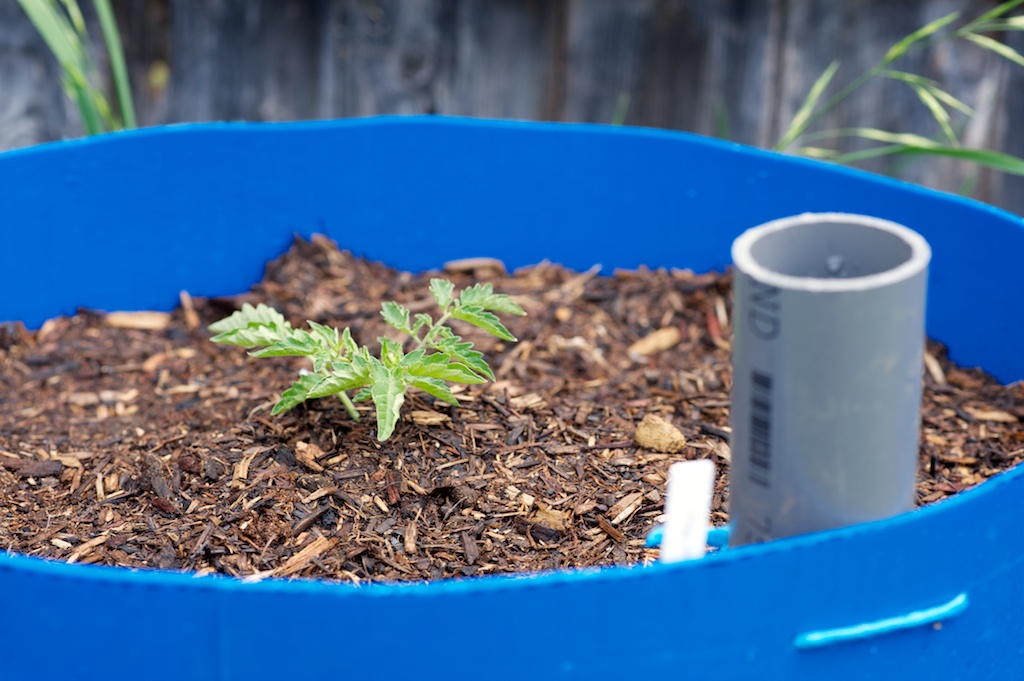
(444, 368)
(388, 393)
(482, 319)
(900, 48)
(435, 387)
(474, 294)
(483, 296)
(803, 114)
(442, 290)
(298, 393)
(390, 351)
(261, 315)
(333, 384)
(423, 321)
(472, 358)
(413, 357)
(298, 343)
(321, 362)
(347, 344)
(363, 395)
(252, 337)
(396, 315)
(327, 336)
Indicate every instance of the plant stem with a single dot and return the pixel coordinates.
(429, 335)
(349, 407)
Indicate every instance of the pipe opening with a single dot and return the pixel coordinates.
(830, 250)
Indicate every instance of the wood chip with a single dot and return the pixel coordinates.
(68, 461)
(625, 507)
(613, 533)
(584, 507)
(189, 311)
(144, 320)
(550, 518)
(307, 454)
(722, 451)
(656, 342)
(154, 361)
(115, 396)
(474, 266)
(528, 401)
(241, 471)
(409, 538)
(426, 417)
(469, 548)
(82, 399)
(303, 558)
(934, 369)
(991, 415)
(85, 547)
(320, 493)
(30, 468)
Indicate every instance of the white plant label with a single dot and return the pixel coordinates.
(687, 510)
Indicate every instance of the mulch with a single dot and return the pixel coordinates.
(131, 440)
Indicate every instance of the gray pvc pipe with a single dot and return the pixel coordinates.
(827, 362)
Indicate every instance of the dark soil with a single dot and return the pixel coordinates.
(152, 447)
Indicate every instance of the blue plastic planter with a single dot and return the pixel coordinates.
(126, 221)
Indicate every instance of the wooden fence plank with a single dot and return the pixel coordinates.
(731, 68)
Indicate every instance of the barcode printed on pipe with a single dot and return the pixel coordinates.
(760, 427)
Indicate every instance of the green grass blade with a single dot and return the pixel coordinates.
(82, 95)
(64, 36)
(949, 100)
(803, 115)
(932, 87)
(990, 159)
(721, 120)
(1010, 24)
(621, 109)
(900, 48)
(940, 115)
(75, 15)
(56, 31)
(904, 138)
(999, 48)
(122, 86)
(995, 12)
(816, 152)
(874, 152)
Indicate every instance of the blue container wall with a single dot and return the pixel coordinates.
(203, 207)
(126, 221)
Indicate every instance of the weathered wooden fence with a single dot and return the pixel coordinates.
(733, 68)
